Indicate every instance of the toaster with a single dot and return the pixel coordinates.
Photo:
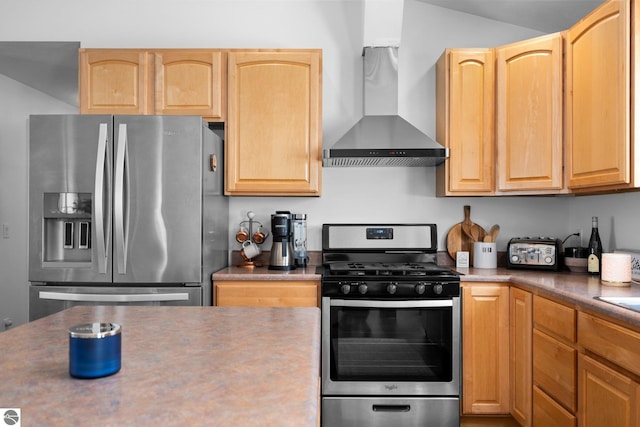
(536, 253)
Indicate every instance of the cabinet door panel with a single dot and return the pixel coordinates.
(598, 98)
(114, 81)
(190, 82)
(273, 142)
(465, 121)
(529, 114)
(485, 346)
(520, 355)
(607, 398)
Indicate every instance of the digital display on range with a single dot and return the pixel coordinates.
(380, 233)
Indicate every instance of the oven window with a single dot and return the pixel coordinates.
(391, 344)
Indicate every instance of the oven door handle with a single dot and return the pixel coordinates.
(391, 304)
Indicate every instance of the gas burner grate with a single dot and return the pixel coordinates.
(385, 269)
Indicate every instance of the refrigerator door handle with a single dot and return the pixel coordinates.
(120, 207)
(122, 298)
(101, 160)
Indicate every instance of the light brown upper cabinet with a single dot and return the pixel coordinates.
(465, 94)
(114, 81)
(160, 81)
(274, 126)
(529, 125)
(600, 147)
(191, 82)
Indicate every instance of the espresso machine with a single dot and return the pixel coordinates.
(282, 255)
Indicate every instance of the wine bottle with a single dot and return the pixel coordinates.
(594, 260)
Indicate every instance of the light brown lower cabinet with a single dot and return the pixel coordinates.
(554, 369)
(607, 397)
(547, 412)
(554, 363)
(520, 354)
(485, 348)
(608, 373)
(265, 293)
(545, 362)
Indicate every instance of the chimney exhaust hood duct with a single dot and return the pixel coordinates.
(382, 137)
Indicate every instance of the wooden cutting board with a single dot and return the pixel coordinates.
(462, 236)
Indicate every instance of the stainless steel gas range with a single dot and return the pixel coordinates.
(390, 328)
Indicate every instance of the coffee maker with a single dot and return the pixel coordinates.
(282, 256)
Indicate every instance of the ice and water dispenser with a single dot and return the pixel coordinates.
(67, 227)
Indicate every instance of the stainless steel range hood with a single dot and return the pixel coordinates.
(382, 137)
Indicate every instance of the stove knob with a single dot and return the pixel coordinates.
(391, 288)
(362, 288)
(420, 288)
(437, 288)
(346, 288)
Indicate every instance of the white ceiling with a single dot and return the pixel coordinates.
(547, 16)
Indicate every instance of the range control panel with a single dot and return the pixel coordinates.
(534, 253)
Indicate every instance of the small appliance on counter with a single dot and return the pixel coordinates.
(535, 253)
(299, 223)
(282, 256)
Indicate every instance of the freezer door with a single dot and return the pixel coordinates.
(157, 207)
(46, 300)
(70, 198)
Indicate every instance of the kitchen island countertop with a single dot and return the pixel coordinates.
(180, 366)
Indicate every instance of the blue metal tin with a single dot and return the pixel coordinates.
(94, 350)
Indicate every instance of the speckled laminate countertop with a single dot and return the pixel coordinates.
(574, 288)
(181, 366)
(263, 273)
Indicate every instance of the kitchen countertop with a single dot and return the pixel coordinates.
(573, 288)
(180, 366)
(263, 273)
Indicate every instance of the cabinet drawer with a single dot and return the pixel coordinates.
(615, 343)
(554, 369)
(267, 294)
(546, 412)
(556, 319)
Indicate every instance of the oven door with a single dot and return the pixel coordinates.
(390, 348)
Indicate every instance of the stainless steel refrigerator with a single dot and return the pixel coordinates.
(124, 210)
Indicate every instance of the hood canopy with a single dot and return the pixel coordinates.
(382, 137)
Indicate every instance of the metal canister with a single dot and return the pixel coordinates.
(95, 350)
